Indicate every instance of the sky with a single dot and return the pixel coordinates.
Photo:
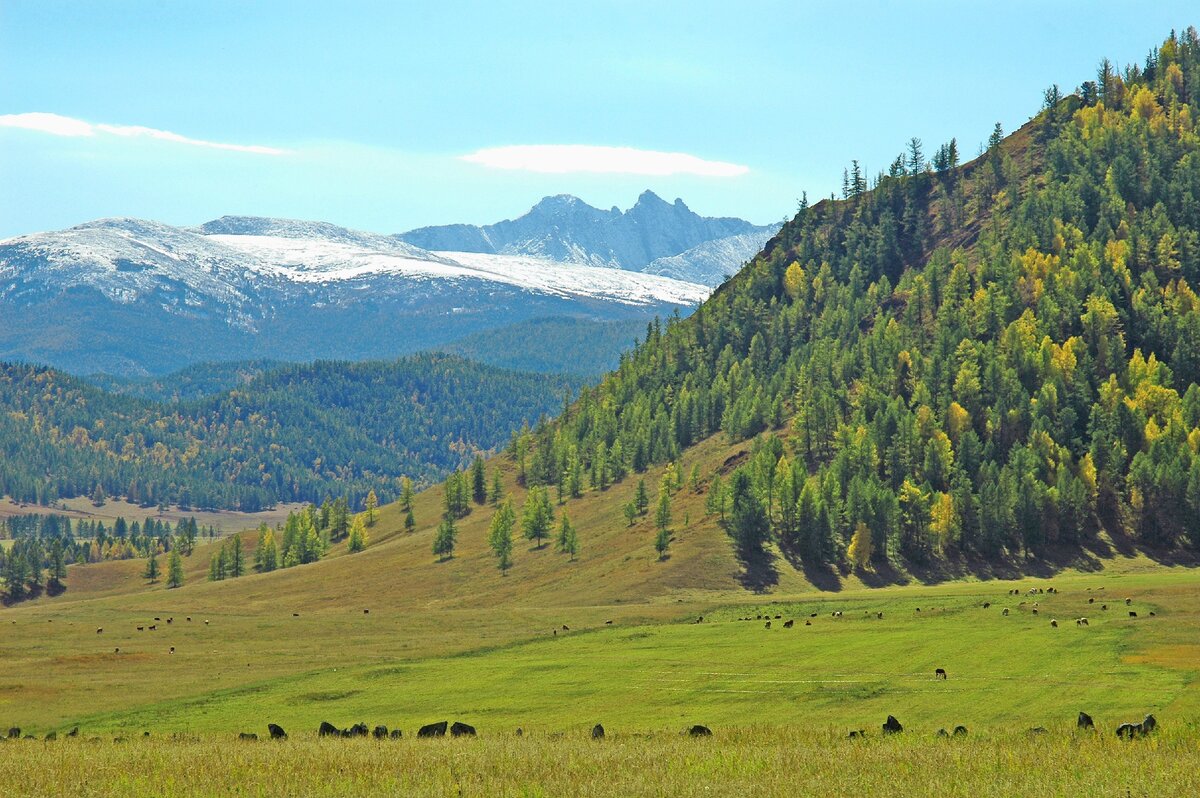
(385, 116)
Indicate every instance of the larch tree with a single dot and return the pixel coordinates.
(174, 569)
(500, 534)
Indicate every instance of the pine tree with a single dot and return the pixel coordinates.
(236, 560)
(537, 515)
(98, 496)
(372, 505)
(444, 538)
(640, 499)
(358, 536)
(500, 534)
(266, 554)
(497, 491)
(406, 494)
(568, 540)
(631, 513)
(662, 514)
(410, 523)
(174, 569)
(662, 542)
(151, 571)
(478, 481)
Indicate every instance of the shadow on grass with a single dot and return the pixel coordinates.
(758, 570)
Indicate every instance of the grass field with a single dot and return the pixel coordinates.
(749, 761)
(459, 640)
(81, 508)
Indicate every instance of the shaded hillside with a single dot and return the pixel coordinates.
(302, 432)
(555, 345)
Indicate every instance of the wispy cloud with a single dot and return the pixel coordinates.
(566, 158)
(57, 125)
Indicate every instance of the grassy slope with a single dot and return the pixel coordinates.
(459, 639)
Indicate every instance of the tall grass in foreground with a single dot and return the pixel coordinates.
(743, 762)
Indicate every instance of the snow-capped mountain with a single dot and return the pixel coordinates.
(712, 262)
(564, 228)
(132, 296)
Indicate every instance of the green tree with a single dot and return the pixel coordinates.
(497, 491)
(174, 569)
(641, 500)
(537, 516)
(747, 519)
(662, 542)
(358, 536)
(478, 481)
(410, 522)
(500, 534)
(236, 560)
(372, 504)
(444, 539)
(662, 513)
(151, 571)
(568, 540)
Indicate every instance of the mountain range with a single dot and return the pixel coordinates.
(137, 297)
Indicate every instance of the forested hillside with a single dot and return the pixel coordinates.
(295, 433)
(950, 360)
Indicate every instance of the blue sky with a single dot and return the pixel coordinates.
(386, 116)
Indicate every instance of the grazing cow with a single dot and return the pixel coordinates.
(157, 618)
(433, 729)
(879, 615)
(189, 619)
(206, 622)
(767, 625)
(380, 732)
(1132, 614)
(1085, 721)
(73, 732)
(597, 732)
(117, 650)
(608, 623)
(170, 620)
(100, 630)
(459, 729)
(788, 624)
(248, 736)
(1036, 730)
(960, 731)
(566, 628)
(327, 729)
(940, 673)
(1128, 601)
(1035, 611)
(1005, 613)
(778, 617)
(808, 623)
(1091, 601)
(1081, 621)
(856, 734)
(277, 732)
(366, 612)
(987, 604)
(918, 609)
(141, 628)
(172, 651)
(892, 726)
(396, 734)
(1128, 731)
(51, 737)
(295, 615)
(699, 731)
(153, 627)
(1151, 613)
(943, 733)
(357, 730)
(14, 733)
(1053, 623)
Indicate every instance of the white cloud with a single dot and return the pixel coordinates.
(57, 125)
(566, 158)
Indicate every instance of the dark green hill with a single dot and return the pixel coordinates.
(951, 361)
(296, 432)
(555, 345)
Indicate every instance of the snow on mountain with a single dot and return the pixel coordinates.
(564, 228)
(713, 261)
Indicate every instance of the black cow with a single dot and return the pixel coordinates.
(856, 734)
(597, 732)
(433, 729)
(14, 733)
(380, 733)
(249, 736)
(459, 729)
(1085, 721)
(960, 731)
(1129, 731)
(73, 732)
(892, 726)
(396, 734)
(357, 730)
(327, 729)
(943, 733)
(700, 731)
(788, 624)
(277, 732)
(940, 673)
